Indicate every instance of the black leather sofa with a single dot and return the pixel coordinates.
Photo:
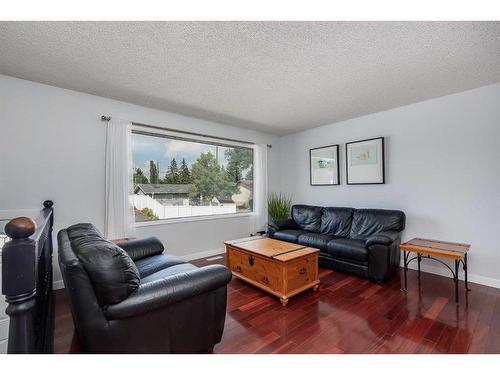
(132, 298)
(364, 242)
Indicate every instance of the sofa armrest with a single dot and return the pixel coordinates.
(142, 247)
(282, 224)
(169, 290)
(382, 238)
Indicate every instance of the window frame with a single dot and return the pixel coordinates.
(172, 134)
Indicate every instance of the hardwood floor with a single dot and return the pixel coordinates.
(347, 315)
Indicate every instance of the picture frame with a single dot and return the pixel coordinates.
(365, 162)
(324, 166)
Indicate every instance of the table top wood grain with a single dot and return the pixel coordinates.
(445, 249)
(271, 248)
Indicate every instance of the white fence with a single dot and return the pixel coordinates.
(168, 212)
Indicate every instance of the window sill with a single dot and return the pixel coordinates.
(188, 219)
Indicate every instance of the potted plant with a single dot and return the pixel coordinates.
(279, 206)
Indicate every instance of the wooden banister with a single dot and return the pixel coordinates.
(27, 282)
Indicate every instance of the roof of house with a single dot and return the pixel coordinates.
(163, 188)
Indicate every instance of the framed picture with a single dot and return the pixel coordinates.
(324, 165)
(365, 162)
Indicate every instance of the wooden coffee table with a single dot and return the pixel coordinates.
(431, 249)
(280, 268)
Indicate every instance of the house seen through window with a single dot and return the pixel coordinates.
(176, 178)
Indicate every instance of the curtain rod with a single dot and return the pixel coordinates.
(108, 118)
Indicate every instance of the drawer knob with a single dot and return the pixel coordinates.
(265, 280)
(251, 260)
(238, 269)
(302, 271)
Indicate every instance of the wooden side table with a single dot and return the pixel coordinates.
(431, 249)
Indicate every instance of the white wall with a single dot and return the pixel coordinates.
(52, 147)
(442, 170)
(442, 167)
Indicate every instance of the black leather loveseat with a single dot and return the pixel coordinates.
(364, 242)
(132, 298)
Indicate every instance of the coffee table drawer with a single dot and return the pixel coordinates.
(256, 268)
(268, 274)
(239, 263)
(302, 273)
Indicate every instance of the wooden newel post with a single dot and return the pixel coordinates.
(19, 284)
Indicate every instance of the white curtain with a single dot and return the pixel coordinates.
(119, 220)
(260, 188)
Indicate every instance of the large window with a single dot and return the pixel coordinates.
(176, 177)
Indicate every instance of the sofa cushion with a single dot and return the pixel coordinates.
(307, 217)
(155, 263)
(289, 235)
(366, 222)
(170, 271)
(82, 233)
(348, 249)
(112, 272)
(336, 221)
(316, 240)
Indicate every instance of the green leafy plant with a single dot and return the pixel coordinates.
(279, 206)
(149, 214)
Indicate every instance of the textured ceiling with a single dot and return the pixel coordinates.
(278, 77)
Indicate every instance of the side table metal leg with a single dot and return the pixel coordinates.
(455, 279)
(419, 260)
(466, 271)
(405, 269)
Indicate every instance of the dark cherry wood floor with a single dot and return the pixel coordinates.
(347, 315)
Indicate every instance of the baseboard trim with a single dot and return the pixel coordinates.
(473, 278)
(203, 254)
